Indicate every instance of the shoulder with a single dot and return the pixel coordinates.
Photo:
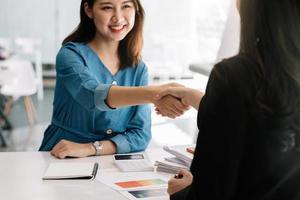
(70, 51)
(70, 47)
(142, 67)
(236, 68)
(240, 73)
(139, 69)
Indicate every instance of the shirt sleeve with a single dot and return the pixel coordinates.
(81, 84)
(220, 145)
(138, 131)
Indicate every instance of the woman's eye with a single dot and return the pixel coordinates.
(106, 8)
(127, 6)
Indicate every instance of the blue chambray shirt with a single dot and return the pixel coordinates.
(80, 113)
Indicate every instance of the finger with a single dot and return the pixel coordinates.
(165, 92)
(167, 111)
(60, 145)
(171, 108)
(185, 102)
(57, 148)
(62, 154)
(184, 172)
(170, 115)
(180, 108)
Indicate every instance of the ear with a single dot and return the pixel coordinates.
(88, 10)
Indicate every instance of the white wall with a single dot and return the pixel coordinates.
(48, 20)
(176, 32)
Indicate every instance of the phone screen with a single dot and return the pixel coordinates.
(129, 157)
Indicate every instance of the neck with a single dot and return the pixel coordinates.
(104, 48)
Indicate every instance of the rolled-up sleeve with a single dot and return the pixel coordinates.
(138, 131)
(79, 82)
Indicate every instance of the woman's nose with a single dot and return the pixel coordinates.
(117, 15)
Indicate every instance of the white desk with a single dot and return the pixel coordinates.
(21, 178)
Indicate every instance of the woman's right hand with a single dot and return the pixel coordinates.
(169, 106)
(188, 96)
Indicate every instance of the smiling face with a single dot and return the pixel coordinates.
(113, 19)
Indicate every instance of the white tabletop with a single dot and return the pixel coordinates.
(21, 178)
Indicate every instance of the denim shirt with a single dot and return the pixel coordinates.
(80, 113)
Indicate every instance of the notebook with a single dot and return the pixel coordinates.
(65, 171)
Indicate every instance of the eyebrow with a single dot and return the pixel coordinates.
(109, 3)
(128, 1)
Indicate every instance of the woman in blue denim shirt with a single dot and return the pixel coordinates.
(101, 85)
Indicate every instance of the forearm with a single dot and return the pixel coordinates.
(128, 96)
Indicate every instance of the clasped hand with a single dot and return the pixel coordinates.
(169, 105)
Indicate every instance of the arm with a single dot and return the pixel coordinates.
(86, 90)
(137, 135)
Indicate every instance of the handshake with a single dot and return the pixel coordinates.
(173, 99)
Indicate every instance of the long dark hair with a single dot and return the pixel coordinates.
(270, 34)
(130, 47)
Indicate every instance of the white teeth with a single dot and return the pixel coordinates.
(117, 28)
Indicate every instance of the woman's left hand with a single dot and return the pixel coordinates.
(67, 148)
(185, 178)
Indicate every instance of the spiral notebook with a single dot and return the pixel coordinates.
(69, 171)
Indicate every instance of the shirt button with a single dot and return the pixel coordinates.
(114, 83)
(109, 131)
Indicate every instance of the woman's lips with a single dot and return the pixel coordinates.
(117, 29)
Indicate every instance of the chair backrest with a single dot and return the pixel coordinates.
(19, 78)
(29, 48)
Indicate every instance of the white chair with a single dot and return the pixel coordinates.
(17, 79)
(29, 48)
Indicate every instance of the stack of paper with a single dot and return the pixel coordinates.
(182, 159)
(169, 167)
(181, 153)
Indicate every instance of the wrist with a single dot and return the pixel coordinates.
(196, 98)
(98, 146)
(150, 93)
(91, 149)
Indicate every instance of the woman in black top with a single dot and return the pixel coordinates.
(249, 118)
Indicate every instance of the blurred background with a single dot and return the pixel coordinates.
(182, 42)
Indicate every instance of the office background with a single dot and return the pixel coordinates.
(182, 38)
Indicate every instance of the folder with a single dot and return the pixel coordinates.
(69, 171)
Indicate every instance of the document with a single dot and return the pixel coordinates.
(64, 171)
(181, 152)
(150, 194)
(133, 180)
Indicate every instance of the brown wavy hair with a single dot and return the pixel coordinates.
(130, 47)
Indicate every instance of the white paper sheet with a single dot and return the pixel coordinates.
(152, 194)
(133, 181)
